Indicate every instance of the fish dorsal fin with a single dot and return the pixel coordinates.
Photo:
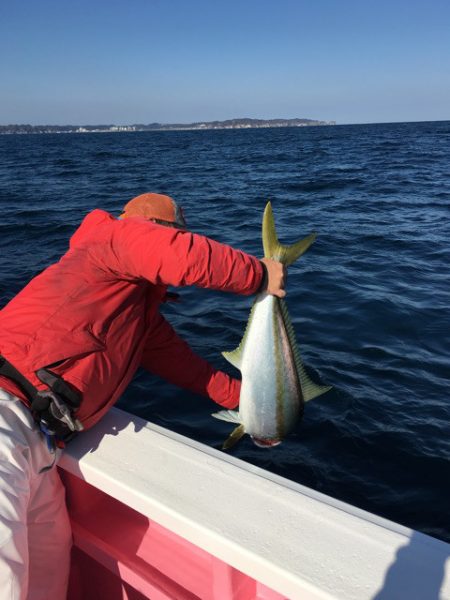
(310, 390)
(272, 247)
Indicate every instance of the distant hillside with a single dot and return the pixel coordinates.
(228, 124)
(244, 124)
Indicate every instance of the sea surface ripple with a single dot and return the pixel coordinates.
(369, 301)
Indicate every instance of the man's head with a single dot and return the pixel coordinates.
(157, 208)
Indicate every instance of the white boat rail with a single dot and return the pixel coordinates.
(297, 542)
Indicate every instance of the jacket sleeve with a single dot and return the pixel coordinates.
(168, 356)
(168, 256)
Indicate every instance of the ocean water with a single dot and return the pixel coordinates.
(369, 300)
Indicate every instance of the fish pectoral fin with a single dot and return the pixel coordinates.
(233, 439)
(232, 416)
(234, 357)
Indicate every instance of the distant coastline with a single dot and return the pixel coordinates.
(200, 125)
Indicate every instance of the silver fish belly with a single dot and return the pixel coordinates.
(271, 397)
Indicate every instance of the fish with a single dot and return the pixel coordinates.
(275, 385)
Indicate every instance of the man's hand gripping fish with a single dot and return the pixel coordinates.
(275, 385)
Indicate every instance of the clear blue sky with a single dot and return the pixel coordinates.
(141, 61)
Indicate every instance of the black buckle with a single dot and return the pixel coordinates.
(56, 405)
(52, 408)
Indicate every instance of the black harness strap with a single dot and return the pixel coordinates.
(53, 408)
(8, 370)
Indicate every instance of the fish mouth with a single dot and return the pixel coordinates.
(265, 442)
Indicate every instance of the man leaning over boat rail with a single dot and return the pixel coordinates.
(70, 343)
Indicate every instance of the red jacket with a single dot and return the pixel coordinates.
(96, 310)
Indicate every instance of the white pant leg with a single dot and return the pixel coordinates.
(35, 537)
(49, 539)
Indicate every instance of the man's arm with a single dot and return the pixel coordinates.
(170, 357)
(167, 256)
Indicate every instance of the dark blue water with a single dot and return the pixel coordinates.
(369, 301)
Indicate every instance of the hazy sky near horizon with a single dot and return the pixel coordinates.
(168, 61)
